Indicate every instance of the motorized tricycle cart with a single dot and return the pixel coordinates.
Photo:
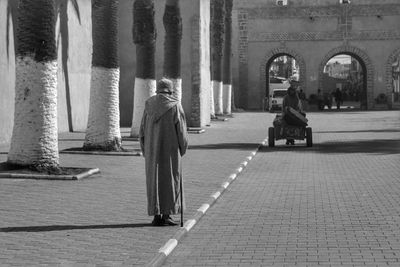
(297, 130)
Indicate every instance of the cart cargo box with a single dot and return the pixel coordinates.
(293, 117)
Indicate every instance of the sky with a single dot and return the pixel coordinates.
(342, 59)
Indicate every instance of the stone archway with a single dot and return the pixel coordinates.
(363, 59)
(270, 56)
(389, 84)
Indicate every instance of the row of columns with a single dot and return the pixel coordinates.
(205, 46)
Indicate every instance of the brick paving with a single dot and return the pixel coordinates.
(102, 221)
(335, 204)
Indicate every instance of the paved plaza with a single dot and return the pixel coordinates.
(334, 204)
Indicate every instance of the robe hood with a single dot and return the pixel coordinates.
(159, 104)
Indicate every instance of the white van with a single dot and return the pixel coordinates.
(278, 87)
(276, 99)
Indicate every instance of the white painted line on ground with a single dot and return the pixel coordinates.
(232, 176)
(203, 208)
(189, 224)
(172, 243)
(216, 195)
(168, 247)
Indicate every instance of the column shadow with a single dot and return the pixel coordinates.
(236, 146)
(373, 146)
(49, 228)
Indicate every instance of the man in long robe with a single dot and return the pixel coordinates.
(163, 140)
(291, 100)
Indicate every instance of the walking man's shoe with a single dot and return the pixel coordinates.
(168, 220)
(157, 221)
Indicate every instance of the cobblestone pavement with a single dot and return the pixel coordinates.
(102, 221)
(335, 204)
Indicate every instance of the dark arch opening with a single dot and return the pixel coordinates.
(278, 70)
(348, 73)
(395, 79)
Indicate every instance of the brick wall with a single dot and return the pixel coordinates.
(365, 30)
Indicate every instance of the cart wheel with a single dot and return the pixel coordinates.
(309, 136)
(271, 137)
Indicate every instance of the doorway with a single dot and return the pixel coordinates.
(344, 75)
(395, 80)
(279, 71)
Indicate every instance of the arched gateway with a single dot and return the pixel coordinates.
(390, 75)
(366, 63)
(270, 56)
(363, 29)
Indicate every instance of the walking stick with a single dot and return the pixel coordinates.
(181, 186)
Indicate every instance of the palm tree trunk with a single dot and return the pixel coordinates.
(212, 105)
(103, 130)
(227, 75)
(144, 37)
(34, 140)
(217, 54)
(172, 45)
(12, 11)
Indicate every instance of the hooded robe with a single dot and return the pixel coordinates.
(163, 140)
(292, 101)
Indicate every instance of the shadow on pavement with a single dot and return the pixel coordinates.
(71, 140)
(363, 131)
(244, 146)
(48, 228)
(378, 146)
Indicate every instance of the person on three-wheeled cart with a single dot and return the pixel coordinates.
(292, 123)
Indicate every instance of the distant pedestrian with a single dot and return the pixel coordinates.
(302, 95)
(338, 98)
(320, 100)
(163, 140)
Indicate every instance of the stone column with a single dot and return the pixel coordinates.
(243, 57)
(200, 65)
(195, 58)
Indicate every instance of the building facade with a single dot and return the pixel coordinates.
(314, 31)
(311, 31)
